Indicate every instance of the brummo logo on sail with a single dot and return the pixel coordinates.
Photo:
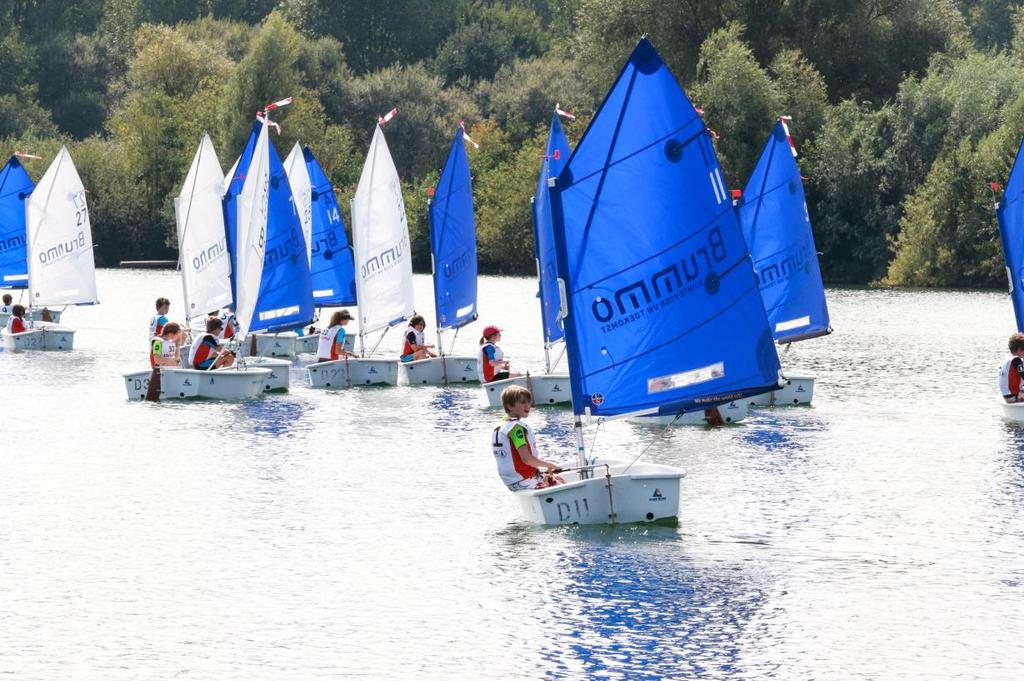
(208, 255)
(649, 294)
(62, 249)
(781, 268)
(383, 260)
(13, 242)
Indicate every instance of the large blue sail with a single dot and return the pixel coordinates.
(15, 187)
(1010, 213)
(331, 268)
(664, 314)
(453, 241)
(285, 299)
(555, 156)
(773, 215)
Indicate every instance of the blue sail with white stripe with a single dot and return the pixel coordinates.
(773, 215)
(285, 298)
(331, 265)
(1010, 215)
(555, 156)
(453, 240)
(15, 187)
(664, 314)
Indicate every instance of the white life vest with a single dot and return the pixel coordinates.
(511, 469)
(197, 347)
(167, 347)
(10, 324)
(154, 323)
(1006, 373)
(421, 337)
(5, 309)
(328, 339)
(498, 356)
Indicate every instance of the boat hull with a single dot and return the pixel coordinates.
(645, 493)
(733, 412)
(351, 372)
(50, 338)
(440, 371)
(547, 389)
(1014, 411)
(276, 344)
(279, 379)
(137, 384)
(221, 384)
(797, 391)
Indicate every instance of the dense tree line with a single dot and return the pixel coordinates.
(904, 110)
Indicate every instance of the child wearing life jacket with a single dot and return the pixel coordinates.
(415, 346)
(16, 322)
(159, 320)
(515, 446)
(1011, 373)
(491, 364)
(164, 349)
(332, 339)
(6, 307)
(206, 354)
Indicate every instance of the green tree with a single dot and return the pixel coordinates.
(492, 36)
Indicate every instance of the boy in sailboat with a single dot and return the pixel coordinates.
(206, 354)
(164, 350)
(515, 446)
(332, 339)
(159, 320)
(415, 346)
(16, 322)
(1011, 373)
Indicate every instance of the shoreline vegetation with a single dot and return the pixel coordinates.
(904, 111)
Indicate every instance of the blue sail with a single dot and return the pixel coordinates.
(453, 241)
(773, 215)
(285, 299)
(1010, 214)
(555, 156)
(664, 314)
(331, 269)
(15, 187)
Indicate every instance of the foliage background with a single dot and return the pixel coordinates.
(904, 110)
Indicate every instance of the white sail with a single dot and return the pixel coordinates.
(253, 206)
(302, 193)
(381, 242)
(61, 269)
(202, 245)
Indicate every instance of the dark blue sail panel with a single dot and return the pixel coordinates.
(15, 187)
(555, 156)
(664, 312)
(1010, 214)
(453, 241)
(230, 202)
(773, 215)
(331, 269)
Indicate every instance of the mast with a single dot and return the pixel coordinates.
(360, 301)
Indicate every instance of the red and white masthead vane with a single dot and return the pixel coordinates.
(386, 118)
(564, 114)
(22, 154)
(789, 138)
(263, 116)
(465, 135)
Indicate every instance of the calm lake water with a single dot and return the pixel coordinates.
(878, 534)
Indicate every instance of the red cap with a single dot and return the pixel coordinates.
(490, 331)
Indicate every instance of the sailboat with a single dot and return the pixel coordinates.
(15, 188)
(549, 387)
(773, 214)
(383, 260)
(327, 248)
(61, 269)
(453, 255)
(205, 266)
(1010, 215)
(661, 309)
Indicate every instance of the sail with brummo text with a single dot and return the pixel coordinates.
(453, 240)
(555, 156)
(380, 236)
(777, 228)
(61, 268)
(327, 248)
(663, 310)
(259, 200)
(15, 188)
(1010, 214)
(202, 245)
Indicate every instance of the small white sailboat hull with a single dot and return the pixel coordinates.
(798, 390)
(276, 344)
(349, 372)
(644, 493)
(733, 412)
(137, 384)
(1014, 411)
(49, 338)
(440, 370)
(221, 384)
(279, 379)
(546, 389)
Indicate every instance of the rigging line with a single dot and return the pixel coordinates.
(593, 443)
(650, 444)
